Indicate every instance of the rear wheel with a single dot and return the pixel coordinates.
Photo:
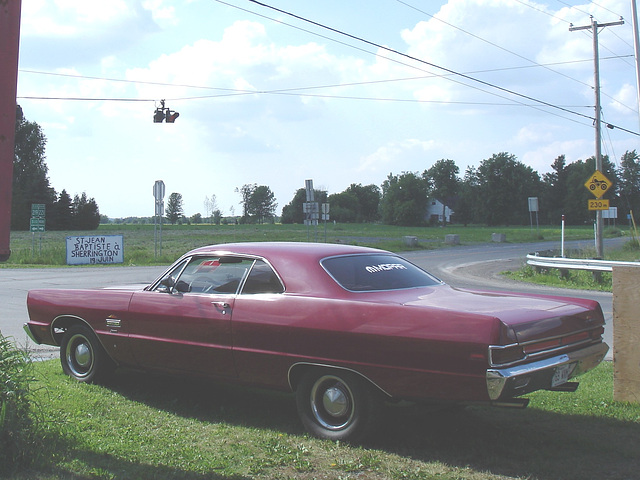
(337, 405)
(82, 356)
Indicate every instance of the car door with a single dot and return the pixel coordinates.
(183, 324)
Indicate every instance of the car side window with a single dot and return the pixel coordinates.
(262, 279)
(210, 275)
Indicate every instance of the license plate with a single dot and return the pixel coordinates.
(562, 374)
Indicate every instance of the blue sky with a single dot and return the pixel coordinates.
(269, 99)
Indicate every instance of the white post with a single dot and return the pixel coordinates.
(562, 239)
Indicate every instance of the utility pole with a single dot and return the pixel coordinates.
(636, 47)
(9, 47)
(598, 124)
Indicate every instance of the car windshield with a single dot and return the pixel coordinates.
(366, 273)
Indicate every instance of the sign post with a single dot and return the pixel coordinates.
(37, 223)
(310, 209)
(158, 194)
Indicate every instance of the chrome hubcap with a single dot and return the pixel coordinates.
(83, 355)
(79, 356)
(335, 402)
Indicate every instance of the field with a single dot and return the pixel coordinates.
(141, 248)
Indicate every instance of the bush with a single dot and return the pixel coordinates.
(16, 429)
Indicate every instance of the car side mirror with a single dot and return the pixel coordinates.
(183, 287)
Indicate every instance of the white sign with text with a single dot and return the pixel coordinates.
(95, 250)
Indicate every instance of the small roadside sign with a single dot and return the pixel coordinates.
(37, 224)
(598, 204)
(598, 184)
(37, 220)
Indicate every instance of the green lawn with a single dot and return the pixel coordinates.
(155, 427)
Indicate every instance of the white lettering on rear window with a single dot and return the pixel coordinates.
(384, 267)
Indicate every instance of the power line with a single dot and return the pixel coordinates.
(410, 57)
(547, 67)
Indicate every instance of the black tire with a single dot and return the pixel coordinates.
(82, 357)
(338, 405)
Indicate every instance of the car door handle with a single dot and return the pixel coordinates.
(222, 306)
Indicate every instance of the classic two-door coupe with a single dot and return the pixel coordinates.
(346, 328)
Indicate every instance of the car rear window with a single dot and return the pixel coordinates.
(366, 273)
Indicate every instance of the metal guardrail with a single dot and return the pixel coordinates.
(577, 263)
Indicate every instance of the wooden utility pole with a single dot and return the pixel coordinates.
(598, 123)
(9, 46)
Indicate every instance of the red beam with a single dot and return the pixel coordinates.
(9, 47)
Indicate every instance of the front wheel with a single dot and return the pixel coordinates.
(337, 405)
(82, 356)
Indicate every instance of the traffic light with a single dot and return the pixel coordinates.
(163, 113)
(158, 117)
(171, 116)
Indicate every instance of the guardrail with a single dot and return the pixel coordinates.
(577, 263)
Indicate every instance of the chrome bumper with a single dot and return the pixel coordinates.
(503, 383)
(27, 329)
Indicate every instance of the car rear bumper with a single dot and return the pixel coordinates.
(504, 383)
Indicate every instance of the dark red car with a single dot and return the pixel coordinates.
(346, 328)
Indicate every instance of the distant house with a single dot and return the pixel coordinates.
(434, 211)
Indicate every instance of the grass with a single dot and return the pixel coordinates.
(140, 247)
(577, 279)
(143, 426)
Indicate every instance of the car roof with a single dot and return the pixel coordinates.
(297, 263)
(285, 249)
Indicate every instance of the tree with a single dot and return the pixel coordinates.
(555, 189)
(293, 211)
(174, 208)
(404, 199)
(210, 206)
(368, 196)
(30, 181)
(61, 215)
(629, 185)
(444, 183)
(258, 203)
(467, 206)
(344, 207)
(86, 215)
(504, 184)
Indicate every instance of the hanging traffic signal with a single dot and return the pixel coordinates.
(163, 113)
(158, 117)
(171, 116)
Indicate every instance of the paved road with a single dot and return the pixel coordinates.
(475, 266)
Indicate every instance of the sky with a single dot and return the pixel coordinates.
(338, 91)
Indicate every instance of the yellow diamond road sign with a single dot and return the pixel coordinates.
(598, 184)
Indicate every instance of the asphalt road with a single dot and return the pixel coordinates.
(476, 266)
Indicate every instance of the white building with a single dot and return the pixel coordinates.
(434, 211)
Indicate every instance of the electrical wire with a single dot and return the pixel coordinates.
(433, 65)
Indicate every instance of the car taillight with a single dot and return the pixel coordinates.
(505, 355)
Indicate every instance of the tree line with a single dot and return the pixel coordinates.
(31, 186)
(494, 193)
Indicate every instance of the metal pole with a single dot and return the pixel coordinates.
(636, 49)
(596, 74)
(9, 49)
